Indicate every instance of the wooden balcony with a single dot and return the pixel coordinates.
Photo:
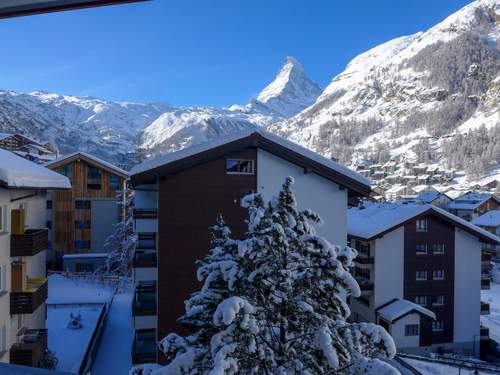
(144, 302)
(30, 348)
(144, 346)
(485, 283)
(144, 259)
(145, 213)
(27, 301)
(30, 243)
(485, 308)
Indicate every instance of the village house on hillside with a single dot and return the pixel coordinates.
(179, 195)
(471, 205)
(81, 219)
(28, 148)
(420, 271)
(23, 250)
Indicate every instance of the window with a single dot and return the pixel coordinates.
(438, 300)
(239, 166)
(114, 182)
(362, 272)
(49, 205)
(48, 224)
(81, 244)
(421, 248)
(438, 248)
(363, 248)
(438, 275)
(3, 218)
(421, 275)
(82, 224)
(421, 225)
(85, 267)
(82, 205)
(66, 170)
(93, 178)
(421, 300)
(437, 326)
(411, 330)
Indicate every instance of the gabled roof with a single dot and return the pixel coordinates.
(203, 152)
(373, 220)
(91, 159)
(489, 219)
(398, 308)
(470, 201)
(19, 173)
(429, 196)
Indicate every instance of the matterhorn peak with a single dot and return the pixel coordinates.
(291, 91)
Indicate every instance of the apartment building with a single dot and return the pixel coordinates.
(82, 218)
(419, 269)
(23, 248)
(179, 195)
(28, 148)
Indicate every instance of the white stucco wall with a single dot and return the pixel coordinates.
(5, 263)
(389, 267)
(467, 292)
(145, 199)
(145, 274)
(312, 191)
(146, 225)
(398, 332)
(145, 322)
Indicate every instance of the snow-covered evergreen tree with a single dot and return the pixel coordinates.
(274, 303)
(122, 242)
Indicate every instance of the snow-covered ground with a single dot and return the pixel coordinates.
(68, 344)
(429, 368)
(114, 355)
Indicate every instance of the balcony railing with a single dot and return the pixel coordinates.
(364, 260)
(485, 256)
(364, 284)
(30, 348)
(30, 243)
(146, 241)
(144, 302)
(144, 346)
(484, 332)
(485, 283)
(143, 259)
(485, 308)
(145, 213)
(27, 301)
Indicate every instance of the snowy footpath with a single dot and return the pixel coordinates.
(114, 355)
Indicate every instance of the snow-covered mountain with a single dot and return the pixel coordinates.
(412, 92)
(124, 132)
(424, 96)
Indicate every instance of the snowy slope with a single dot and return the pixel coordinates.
(429, 84)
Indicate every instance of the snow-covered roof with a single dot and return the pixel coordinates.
(90, 157)
(373, 219)
(400, 307)
(489, 219)
(17, 172)
(428, 196)
(168, 158)
(396, 189)
(470, 201)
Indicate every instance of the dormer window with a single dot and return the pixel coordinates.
(240, 166)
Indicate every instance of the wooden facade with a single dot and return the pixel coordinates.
(189, 202)
(72, 206)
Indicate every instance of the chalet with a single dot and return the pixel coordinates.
(472, 205)
(27, 147)
(178, 196)
(490, 221)
(82, 218)
(398, 191)
(23, 250)
(419, 269)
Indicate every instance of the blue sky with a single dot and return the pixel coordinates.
(199, 52)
